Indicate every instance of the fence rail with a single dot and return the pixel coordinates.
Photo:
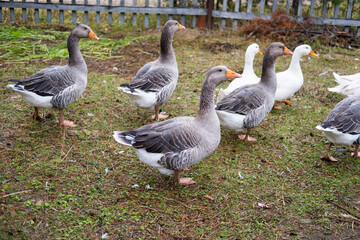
(320, 12)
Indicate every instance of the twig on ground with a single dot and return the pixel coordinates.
(343, 208)
(15, 193)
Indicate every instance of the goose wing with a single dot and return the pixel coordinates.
(251, 101)
(345, 116)
(152, 80)
(49, 81)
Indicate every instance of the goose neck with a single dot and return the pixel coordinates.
(295, 62)
(166, 48)
(207, 107)
(268, 76)
(75, 57)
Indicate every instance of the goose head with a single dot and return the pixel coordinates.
(172, 26)
(83, 31)
(304, 50)
(252, 50)
(220, 74)
(275, 50)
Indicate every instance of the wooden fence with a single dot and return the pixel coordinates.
(343, 13)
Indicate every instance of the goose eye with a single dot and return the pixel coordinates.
(220, 70)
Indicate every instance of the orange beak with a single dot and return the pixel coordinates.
(93, 35)
(181, 26)
(313, 54)
(260, 53)
(232, 75)
(287, 51)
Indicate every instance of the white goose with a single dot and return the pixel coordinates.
(155, 82)
(247, 77)
(291, 80)
(349, 85)
(58, 86)
(342, 125)
(178, 143)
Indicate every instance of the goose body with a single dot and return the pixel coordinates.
(246, 106)
(349, 85)
(248, 76)
(155, 82)
(342, 125)
(57, 86)
(178, 143)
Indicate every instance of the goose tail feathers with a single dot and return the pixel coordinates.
(124, 138)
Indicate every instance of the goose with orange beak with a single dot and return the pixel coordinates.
(58, 86)
(245, 107)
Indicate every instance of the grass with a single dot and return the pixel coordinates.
(60, 183)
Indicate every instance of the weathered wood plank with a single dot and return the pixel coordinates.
(182, 17)
(171, 5)
(36, 13)
(262, 7)
(349, 13)
(122, 14)
(48, 12)
(93, 8)
(324, 9)
(336, 10)
(288, 5)
(61, 13)
(158, 16)
(223, 20)
(97, 12)
(24, 16)
(134, 16)
(86, 14)
(110, 18)
(299, 9)
(73, 13)
(237, 15)
(274, 6)
(237, 7)
(12, 13)
(312, 8)
(146, 17)
(249, 6)
(194, 20)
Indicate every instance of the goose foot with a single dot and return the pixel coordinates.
(159, 116)
(186, 169)
(246, 138)
(36, 116)
(355, 154)
(277, 107)
(67, 123)
(329, 158)
(186, 181)
(287, 102)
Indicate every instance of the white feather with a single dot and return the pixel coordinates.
(232, 121)
(337, 137)
(31, 98)
(141, 98)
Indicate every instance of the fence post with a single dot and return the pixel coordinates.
(12, 13)
(158, 17)
(210, 4)
(146, 17)
(48, 13)
(324, 9)
(110, 18)
(223, 20)
(24, 16)
(194, 20)
(61, 13)
(122, 15)
(98, 13)
(299, 9)
(73, 13)
(249, 6)
(86, 14)
(1, 15)
(171, 5)
(182, 17)
(237, 7)
(312, 8)
(349, 13)
(274, 6)
(36, 13)
(262, 7)
(134, 22)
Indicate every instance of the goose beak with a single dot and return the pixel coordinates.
(313, 54)
(287, 51)
(93, 35)
(232, 75)
(259, 52)
(181, 26)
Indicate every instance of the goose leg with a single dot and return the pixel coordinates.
(182, 181)
(287, 102)
(63, 122)
(246, 137)
(158, 115)
(356, 151)
(327, 154)
(36, 114)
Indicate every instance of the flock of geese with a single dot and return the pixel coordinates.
(174, 145)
